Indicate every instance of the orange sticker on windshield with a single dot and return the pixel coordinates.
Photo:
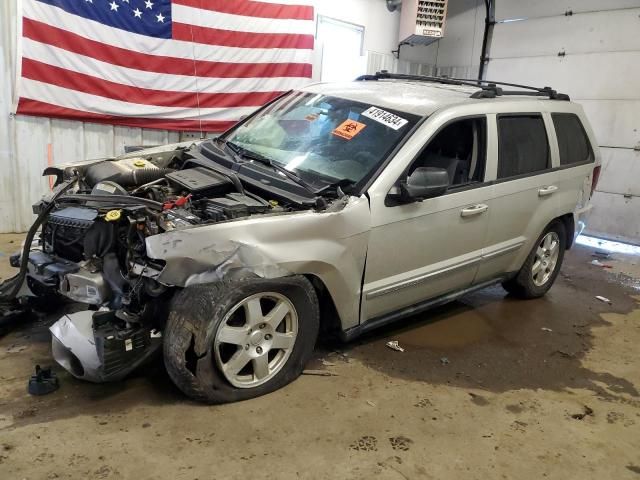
(349, 129)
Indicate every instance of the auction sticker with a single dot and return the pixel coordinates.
(386, 118)
(348, 129)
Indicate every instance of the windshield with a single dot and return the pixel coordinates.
(323, 139)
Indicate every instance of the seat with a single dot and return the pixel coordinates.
(440, 161)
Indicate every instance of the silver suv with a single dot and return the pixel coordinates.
(340, 206)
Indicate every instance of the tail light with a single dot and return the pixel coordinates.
(594, 179)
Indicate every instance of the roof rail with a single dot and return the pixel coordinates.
(487, 88)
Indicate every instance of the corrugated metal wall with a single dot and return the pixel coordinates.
(8, 173)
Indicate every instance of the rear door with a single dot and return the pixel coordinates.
(525, 190)
(577, 159)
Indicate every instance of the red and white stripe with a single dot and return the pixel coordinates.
(225, 60)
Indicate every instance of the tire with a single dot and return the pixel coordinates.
(202, 318)
(530, 284)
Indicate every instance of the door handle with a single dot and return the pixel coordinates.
(474, 210)
(544, 191)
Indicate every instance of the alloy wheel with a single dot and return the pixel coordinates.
(255, 339)
(546, 259)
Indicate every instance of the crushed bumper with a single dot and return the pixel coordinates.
(88, 346)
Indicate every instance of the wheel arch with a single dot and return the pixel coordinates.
(330, 321)
(569, 227)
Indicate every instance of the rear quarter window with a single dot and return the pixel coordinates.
(523, 147)
(573, 143)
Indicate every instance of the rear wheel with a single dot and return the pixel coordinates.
(542, 266)
(240, 339)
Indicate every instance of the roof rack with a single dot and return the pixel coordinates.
(488, 88)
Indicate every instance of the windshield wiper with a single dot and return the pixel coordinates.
(250, 155)
(229, 148)
(338, 186)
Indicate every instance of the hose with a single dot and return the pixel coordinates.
(126, 178)
(146, 175)
(146, 185)
(15, 282)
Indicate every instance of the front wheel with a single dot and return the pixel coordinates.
(542, 266)
(240, 339)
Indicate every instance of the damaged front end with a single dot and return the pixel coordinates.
(90, 245)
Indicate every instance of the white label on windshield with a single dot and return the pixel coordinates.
(388, 119)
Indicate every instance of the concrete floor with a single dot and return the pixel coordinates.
(488, 387)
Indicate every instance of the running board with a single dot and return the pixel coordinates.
(389, 318)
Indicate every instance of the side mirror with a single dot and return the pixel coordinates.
(424, 182)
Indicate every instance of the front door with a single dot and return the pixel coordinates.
(422, 250)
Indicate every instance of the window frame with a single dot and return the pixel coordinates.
(550, 165)
(356, 27)
(454, 188)
(591, 157)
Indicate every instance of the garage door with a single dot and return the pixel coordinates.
(590, 50)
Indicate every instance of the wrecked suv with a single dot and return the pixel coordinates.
(339, 206)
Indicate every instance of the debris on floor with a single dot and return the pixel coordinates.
(444, 361)
(319, 373)
(603, 299)
(546, 329)
(43, 382)
(587, 411)
(601, 254)
(394, 345)
(598, 263)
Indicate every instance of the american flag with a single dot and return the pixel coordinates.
(170, 64)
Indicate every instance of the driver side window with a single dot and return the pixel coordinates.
(460, 148)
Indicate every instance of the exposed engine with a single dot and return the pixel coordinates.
(92, 250)
(105, 238)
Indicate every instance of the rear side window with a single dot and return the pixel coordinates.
(523, 147)
(572, 139)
